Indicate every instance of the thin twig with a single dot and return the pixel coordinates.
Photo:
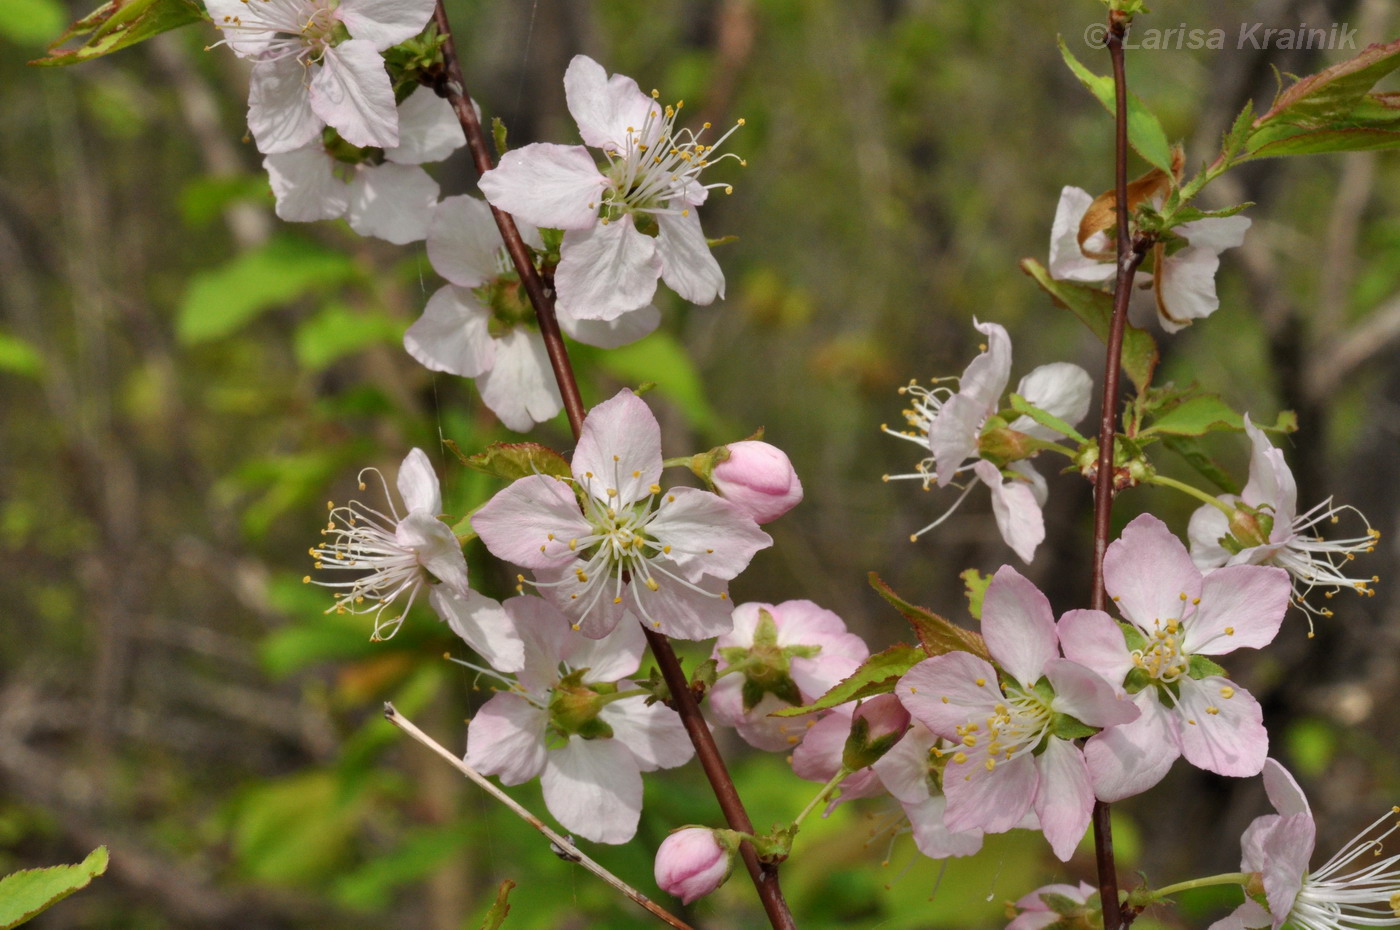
(764, 875)
(1130, 255)
(565, 849)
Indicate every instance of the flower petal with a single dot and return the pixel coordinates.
(1060, 389)
(555, 186)
(1091, 638)
(1067, 260)
(1064, 799)
(351, 91)
(463, 241)
(931, 834)
(612, 113)
(436, 548)
(1186, 287)
(483, 624)
(1242, 607)
(952, 436)
(385, 23)
(593, 788)
(531, 521)
(593, 608)
(418, 484)
(391, 202)
(279, 107)
(654, 735)
(305, 185)
(1207, 527)
(991, 801)
(1216, 233)
(615, 656)
(452, 334)
(619, 449)
(700, 610)
(1086, 696)
(1284, 794)
(428, 128)
(706, 534)
(1270, 481)
(687, 265)
(1019, 626)
(1232, 740)
(1128, 759)
(506, 738)
(985, 377)
(944, 692)
(520, 388)
(606, 270)
(1149, 574)
(1016, 510)
(610, 334)
(1287, 849)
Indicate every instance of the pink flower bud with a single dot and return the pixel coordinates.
(693, 861)
(758, 479)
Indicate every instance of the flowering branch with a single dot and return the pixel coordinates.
(564, 848)
(764, 875)
(1130, 254)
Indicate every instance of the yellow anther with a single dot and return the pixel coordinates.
(305, 579)
(1229, 631)
(655, 489)
(981, 682)
(1227, 692)
(959, 757)
(1212, 710)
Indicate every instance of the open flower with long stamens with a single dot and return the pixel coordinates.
(948, 425)
(627, 223)
(1266, 529)
(1016, 727)
(571, 718)
(399, 553)
(610, 540)
(306, 75)
(1358, 887)
(1177, 621)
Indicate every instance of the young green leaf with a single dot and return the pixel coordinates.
(1332, 94)
(30, 892)
(1145, 134)
(1190, 449)
(512, 460)
(877, 675)
(120, 24)
(1048, 420)
(1197, 416)
(976, 584)
(936, 634)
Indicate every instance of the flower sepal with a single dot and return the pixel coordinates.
(574, 707)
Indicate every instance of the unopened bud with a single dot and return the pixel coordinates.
(694, 861)
(757, 478)
(876, 726)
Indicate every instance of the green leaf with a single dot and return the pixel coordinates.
(500, 908)
(660, 358)
(287, 267)
(19, 357)
(31, 892)
(498, 135)
(1197, 416)
(1195, 455)
(31, 22)
(1344, 139)
(1190, 214)
(1145, 134)
(1045, 419)
(1203, 667)
(976, 584)
(1332, 94)
(876, 675)
(512, 460)
(338, 331)
(118, 25)
(1095, 309)
(936, 634)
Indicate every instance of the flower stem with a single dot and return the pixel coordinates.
(764, 875)
(821, 796)
(1130, 254)
(1229, 878)
(1195, 492)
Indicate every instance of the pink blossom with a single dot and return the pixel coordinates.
(569, 719)
(1037, 911)
(1014, 755)
(304, 77)
(692, 862)
(1179, 618)
(776, 656)
(948, 425)
(758, 479)
(913, 772)
(629, 223)
(1357, 887)
(610, 540)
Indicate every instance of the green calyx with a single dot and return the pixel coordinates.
(860, 750)
(574, 708)
(766, 665)
(1249, 527)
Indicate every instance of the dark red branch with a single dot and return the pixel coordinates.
(1130, 255)
(764, 875)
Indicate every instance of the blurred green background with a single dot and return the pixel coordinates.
(186, 381)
